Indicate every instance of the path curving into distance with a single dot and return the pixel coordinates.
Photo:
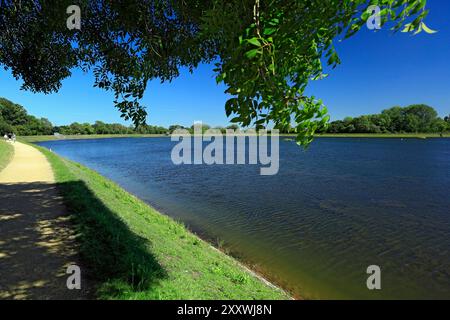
(37, 241)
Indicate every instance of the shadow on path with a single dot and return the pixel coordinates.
(38, 241)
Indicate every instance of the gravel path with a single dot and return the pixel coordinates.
(37, 241)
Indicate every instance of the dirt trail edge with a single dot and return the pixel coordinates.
(37, 241)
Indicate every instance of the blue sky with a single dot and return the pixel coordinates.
(378, 70)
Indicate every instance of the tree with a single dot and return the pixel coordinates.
(412, 123)
(233, 127)
(424, 115)
(414, 118)
(398, 123)
(447, 120)
(440, 126)
(100, 127)
(381, 121)
(336, 127)
(4, 126)
(266, 51)
(205, 127)
(14, 118)
(221, 129)
(174, 127)
(13, 113)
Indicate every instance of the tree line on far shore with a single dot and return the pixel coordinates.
(412, 119)
(418, 118)
(15, 119)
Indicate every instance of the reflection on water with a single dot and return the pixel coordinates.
(329, 213)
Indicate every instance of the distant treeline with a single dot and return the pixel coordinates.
(100, 127)
(417, 118)
(413, 119)
(15, 119)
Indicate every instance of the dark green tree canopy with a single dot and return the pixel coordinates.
(266, 51)
(417, 118)
(15, 119)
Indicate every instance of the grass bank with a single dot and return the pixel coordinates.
(6, 154)
(32, 139)
(134, 252)
(385, 135)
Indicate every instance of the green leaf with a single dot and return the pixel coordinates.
(419, 30)
(252, 53)
(269, 31)
(221, 77)
(408, 28)
(427, 29)
(254, 41)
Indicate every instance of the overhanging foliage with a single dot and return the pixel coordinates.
(266, 51)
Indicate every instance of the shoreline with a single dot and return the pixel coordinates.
(240, 264)
(251, 267)
(34, 139)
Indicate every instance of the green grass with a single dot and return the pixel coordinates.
(377, 135)
(6, 154)
(32, 139)
(384, 135)
(134, 252)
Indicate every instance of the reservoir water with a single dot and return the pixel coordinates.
(330, 212)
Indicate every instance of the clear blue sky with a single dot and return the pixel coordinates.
(378, 70)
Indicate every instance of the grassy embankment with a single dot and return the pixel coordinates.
(6, 154)
(385, 135)
(327, 135)
(134, 252)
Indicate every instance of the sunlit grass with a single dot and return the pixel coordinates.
(134, 252)
(6, 154)
(32, 139)
(385, 135)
